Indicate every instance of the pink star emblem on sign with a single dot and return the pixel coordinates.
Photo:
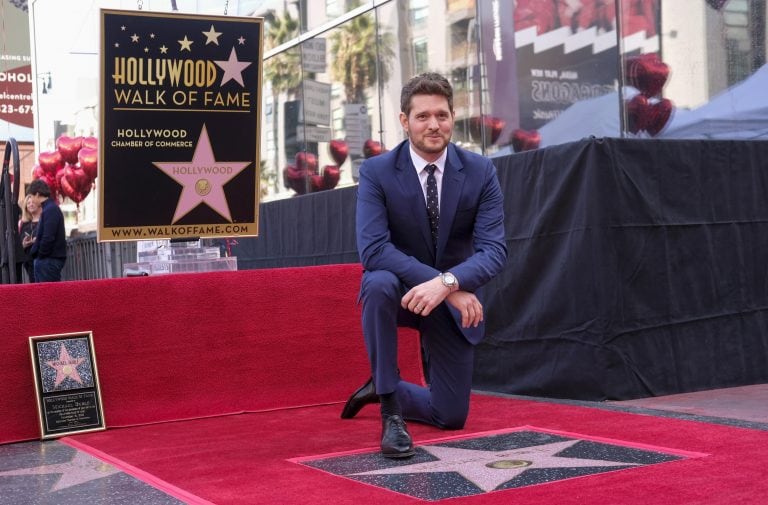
(203, 179)
(233, 69)
(66, 367)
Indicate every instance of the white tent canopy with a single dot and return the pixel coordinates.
(740, 112)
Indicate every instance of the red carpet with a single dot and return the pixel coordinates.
(173, 347)
(244, 459)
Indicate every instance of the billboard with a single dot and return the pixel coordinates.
(15, 74)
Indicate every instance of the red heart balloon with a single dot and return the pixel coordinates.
(306, 161)
(372, 148)
(637, 116)
(647, 73)
(68, 147)
(88, 159)
(331, 176)
(496, 126)
(315, 182)
(72, 193)
(52, 183)
(339, 151)
(658, 115)
(295, 179)
(59, 175)
(90, 142)
(75, 183)
(37, 172)
(51, 161)
(489, 126)
(524, 140)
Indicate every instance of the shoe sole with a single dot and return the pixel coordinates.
(399, 455)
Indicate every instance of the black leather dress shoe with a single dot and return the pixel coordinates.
(359, 399)
(396, 442)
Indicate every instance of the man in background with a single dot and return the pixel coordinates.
(49, 247)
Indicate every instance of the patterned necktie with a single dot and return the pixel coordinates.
(433, 209)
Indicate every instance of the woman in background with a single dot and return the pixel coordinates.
(27, 230)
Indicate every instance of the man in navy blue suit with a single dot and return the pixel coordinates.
(430, 234)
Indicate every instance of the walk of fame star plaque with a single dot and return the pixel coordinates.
(493, 461)
(66, 384)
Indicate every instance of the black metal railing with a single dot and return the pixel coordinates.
(88, 259)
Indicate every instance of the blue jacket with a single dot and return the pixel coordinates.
(51, 241)
(393, 230)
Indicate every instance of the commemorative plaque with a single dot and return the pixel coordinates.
(66, 384)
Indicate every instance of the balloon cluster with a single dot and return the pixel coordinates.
(71, 169)
(647, 111)
(303, 176)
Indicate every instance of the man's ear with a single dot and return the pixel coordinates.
(404, 121)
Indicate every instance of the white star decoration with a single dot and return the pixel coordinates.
(186, 44)
(212, 36)
(490, 469)
(82, 468)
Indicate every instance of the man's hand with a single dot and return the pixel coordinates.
(422, 299)
(470, 307)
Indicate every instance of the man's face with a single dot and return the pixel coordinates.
(429, 125)
(36, 198)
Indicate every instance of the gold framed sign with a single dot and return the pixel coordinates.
(66, 384)
(180, 107)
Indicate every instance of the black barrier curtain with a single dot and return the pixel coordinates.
(636, 268)
(314, 229)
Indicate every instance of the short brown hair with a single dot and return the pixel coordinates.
(429, 83)
(39, 187)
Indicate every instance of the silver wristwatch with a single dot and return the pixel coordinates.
(449, 280)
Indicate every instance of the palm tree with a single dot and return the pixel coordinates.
(282, 70)
(361, 55)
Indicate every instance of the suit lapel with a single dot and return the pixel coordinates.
(411, 189)
(453, 182)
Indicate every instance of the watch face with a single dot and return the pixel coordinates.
(449, 279)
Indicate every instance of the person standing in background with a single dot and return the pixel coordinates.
(30, 217)
(49, 248)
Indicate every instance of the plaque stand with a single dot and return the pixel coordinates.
(179, 257)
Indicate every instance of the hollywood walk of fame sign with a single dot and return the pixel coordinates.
(180, 102)
(66, 384)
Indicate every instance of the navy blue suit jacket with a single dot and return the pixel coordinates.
(393, 231)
